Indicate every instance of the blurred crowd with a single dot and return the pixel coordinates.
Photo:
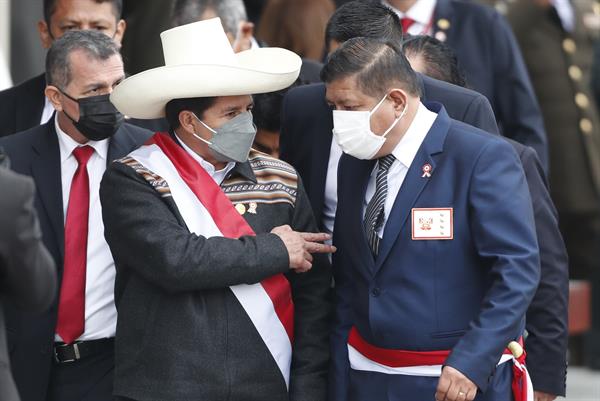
(536, 63)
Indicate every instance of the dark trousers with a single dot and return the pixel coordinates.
(89, 379)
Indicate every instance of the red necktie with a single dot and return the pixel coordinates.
(406, 24)
(71, 305)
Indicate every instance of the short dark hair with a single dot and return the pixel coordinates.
(378, 66)
(95, 44)
(267, 110)
(50, 7)
(231, 12)
(197, 105)
(440, 61)
(368, 18)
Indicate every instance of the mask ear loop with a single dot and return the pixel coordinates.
(396, 121)
(207, 127)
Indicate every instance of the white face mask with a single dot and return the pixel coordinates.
(352, 131)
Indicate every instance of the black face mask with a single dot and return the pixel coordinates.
(98, 118)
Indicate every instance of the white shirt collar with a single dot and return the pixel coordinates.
(210, 169)
(406, 150)
(67, 144)
(421, 12)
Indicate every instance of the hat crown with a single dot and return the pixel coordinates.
(202, 42)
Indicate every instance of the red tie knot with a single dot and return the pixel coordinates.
(406, 23)
(83, 154)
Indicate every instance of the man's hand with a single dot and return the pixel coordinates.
(454, 386)
(243, 37)
(300, 246)
(539, 396)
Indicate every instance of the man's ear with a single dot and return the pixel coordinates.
(45, 34)
(400, 100)
(186, 121)
(54, 97)
(121, 26)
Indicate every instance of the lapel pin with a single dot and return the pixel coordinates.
(426, 170)
(240, 208)
(252, 207)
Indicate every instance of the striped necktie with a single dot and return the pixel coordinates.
(374, 215)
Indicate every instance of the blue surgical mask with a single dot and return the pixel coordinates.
(231, 142)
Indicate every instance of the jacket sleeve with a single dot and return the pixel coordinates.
(27, 271)
(312, 302)
(547, 316)
(515, 103)
(145, 235)
(502, 228)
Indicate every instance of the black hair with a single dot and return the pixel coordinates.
(439, 60)
(378, 66)
(197, 105)
(267, 110)
(50, 7)
(368, 18)
(95, 44)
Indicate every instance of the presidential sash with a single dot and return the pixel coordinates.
(208, 212)
(368, 357)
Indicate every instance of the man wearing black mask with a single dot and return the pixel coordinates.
(67, 353)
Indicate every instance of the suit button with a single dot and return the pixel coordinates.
(575, 73)
(569, 45)
(582, 100)
(586, 126)
(375, 292)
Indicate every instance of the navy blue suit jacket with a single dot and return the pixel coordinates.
(468, 294)
(36, 153)
(490, 56)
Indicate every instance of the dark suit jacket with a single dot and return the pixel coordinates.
(21, 106)
(31, 336)
(27, 275)
(307, 124)
(547, 316)
(488, 52)
(468, 294)
(542, 40)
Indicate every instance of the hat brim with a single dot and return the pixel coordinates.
(146, 94)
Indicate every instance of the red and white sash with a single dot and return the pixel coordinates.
(208, 212)
(368, 357)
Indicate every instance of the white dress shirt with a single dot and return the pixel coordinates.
(565, 12)
(217, 175)
(47, 112)
(100, 311)
(330, 205)
(405, 153)
(422, 13)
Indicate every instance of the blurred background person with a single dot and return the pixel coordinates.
(297, 25)
(267, 118)
(487, 50)
(27, 272)
(25, 106)
(557, 38)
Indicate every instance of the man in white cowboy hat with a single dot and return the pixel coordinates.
(218, 294)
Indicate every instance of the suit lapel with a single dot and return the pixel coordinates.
(360, 171)
(30, 104)
(46, 171)
(413, 184)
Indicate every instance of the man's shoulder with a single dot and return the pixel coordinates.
(130, 137)
(472, 11)
(447, 91)
(31, 87)
(468, 139)
(21, 189)
(18, 141)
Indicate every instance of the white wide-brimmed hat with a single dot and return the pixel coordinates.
(199, 62)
